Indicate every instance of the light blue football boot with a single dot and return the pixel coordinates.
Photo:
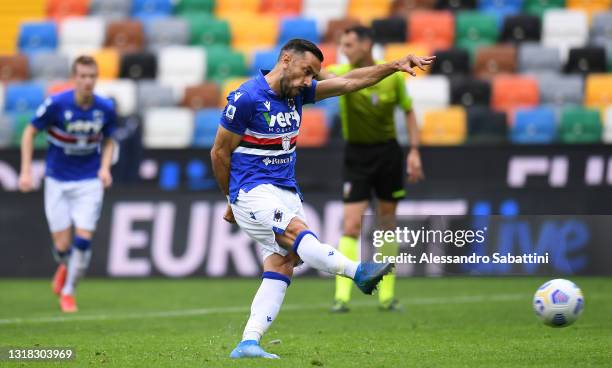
(369, 274)
(251, 349)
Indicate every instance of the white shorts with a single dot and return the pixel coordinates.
(264, 211)
(73, 202)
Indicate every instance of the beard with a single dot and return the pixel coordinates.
(286, 90)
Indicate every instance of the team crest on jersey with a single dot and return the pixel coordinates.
(286, 143)
(291, 103)
(278, 215)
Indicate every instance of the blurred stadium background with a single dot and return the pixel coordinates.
(515, 116)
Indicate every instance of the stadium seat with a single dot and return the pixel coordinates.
(151, 8)
(486, 125)
(229, 8)
(123, 91)
(590, 7)
(37, 37)
(468, 91)
(206, 30)
(59, 87)
(533, 126)
(493, 60)
(298, 28)
(474, 29)
(429, 92)
(434, 28)
(539, 7)
(180, 66)
(13, 68)
(2, 91)
(330, 54)
(580, 125)
(607, 129)
(500, 8)
(444, 127)
(168, 127)
(142, 65)
(264, 59)
(125, 35)
(560, 90)
(535, 58)
(81, 35)
(244, 39)
(601, 28)
(229, 85)
(151, 94)
(389, 30)
(336, 28)
(166, 32)
(19, 121)
(368, 10)
(564, 29)
(313, 128)
(451, 61)
(184, 7)
(110, 9)
(512, 92)
(589, 59)
(395, 51)
(108, 63)
(324, 11)
(282, 8)
(49, 66)
(223, 63)
(59, 9)
(456, 5)
(206, 124)
(6, 131)
(201, 96)
(598, 91)
(520, 28)
(24, 96)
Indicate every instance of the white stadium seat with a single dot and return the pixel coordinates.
(181, 66)
(1, 97)
(565, 29)
(324, 10)
(428, 93)
(81, 35)
(123, 91)
(607, 133)
(168, 127)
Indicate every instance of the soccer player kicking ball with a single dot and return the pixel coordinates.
(373, 160)
(79, 125)
(253, 159)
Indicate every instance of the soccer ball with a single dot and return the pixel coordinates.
(558, 303)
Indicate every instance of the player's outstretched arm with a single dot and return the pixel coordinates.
(27, 147)
(368, 76)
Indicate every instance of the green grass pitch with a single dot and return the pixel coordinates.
(448, 322)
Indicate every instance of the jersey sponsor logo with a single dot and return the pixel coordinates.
(230, 112)
(277, 161)
(83, 127)
(283, 119)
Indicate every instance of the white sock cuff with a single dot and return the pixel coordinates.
(299, 238)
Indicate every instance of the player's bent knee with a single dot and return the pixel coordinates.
(295, 227)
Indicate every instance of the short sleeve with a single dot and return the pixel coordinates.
(110, 125)
(44, 114)
(403, 99)
(238, 112)
(308, 96)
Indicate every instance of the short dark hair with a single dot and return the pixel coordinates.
(301, 46)
(362, 32)
(83, 60)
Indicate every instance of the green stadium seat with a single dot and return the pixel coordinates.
(194, 6)
(539, 7)
(474, 29)
(224, 63)
(19, 122)
(206, 30)
(580, 125)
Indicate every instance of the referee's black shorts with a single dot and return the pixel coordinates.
(373, 168)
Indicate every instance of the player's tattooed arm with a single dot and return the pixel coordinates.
(27, 147)
(220, 155)
(360, 78)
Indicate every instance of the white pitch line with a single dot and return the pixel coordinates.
(245, 309)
